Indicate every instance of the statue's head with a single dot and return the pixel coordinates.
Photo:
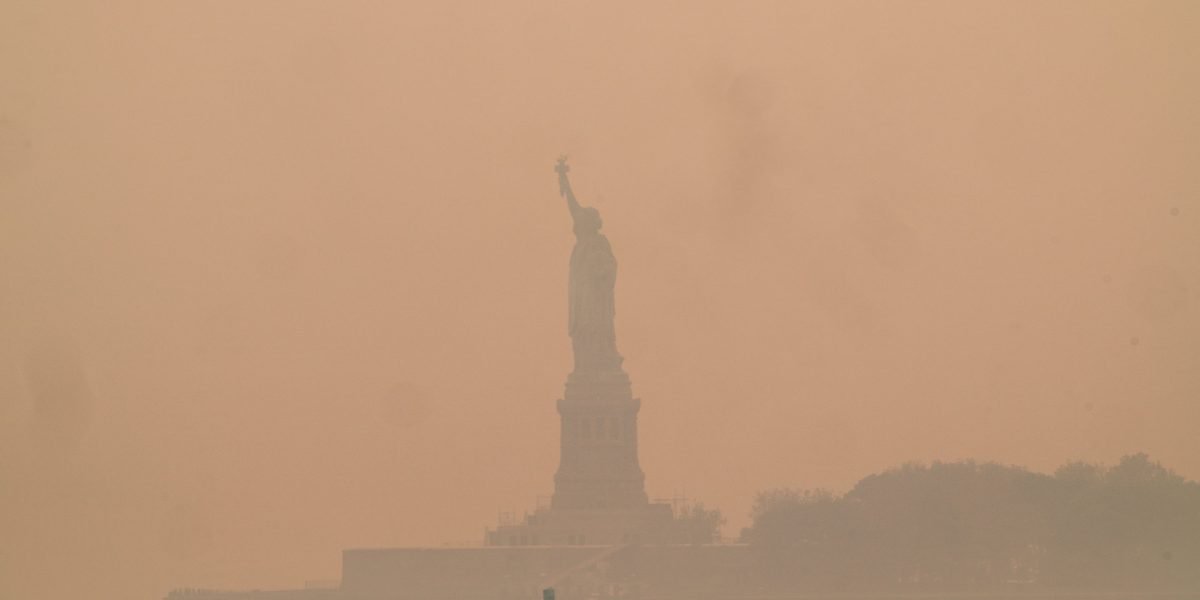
(587, 221)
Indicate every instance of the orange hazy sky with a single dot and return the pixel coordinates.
(279, 278)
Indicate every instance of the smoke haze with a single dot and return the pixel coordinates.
(283, 278)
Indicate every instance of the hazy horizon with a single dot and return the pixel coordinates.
(284, 278)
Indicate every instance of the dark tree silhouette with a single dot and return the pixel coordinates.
(965, 524)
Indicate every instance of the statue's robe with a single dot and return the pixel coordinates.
(592, 306)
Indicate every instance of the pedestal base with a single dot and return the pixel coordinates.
(598, 469)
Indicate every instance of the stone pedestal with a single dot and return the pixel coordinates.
(599, 489)
(598, 466)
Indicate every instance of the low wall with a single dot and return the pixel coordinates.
(519, 573)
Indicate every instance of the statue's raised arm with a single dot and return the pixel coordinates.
(564, 186)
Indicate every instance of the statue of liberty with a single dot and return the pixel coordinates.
(591, 307)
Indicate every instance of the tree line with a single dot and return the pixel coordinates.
(971, 525)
